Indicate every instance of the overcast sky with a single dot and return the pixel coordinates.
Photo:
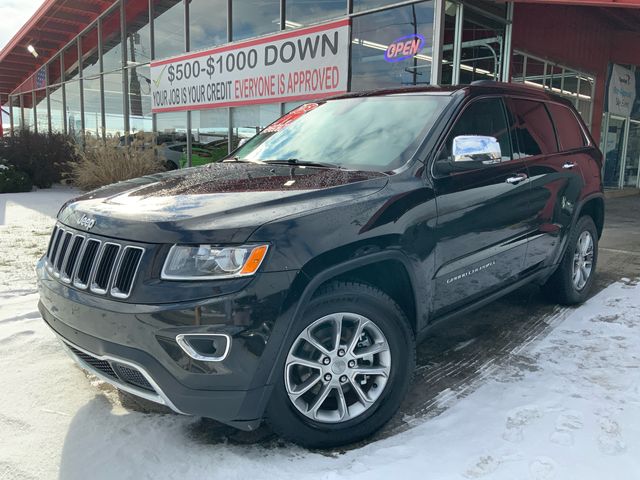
(14, 14)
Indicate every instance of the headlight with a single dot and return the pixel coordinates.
(210, 262)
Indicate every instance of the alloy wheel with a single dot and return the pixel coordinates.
(583, 260)
(337, 367)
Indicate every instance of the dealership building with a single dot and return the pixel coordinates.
(203, 72)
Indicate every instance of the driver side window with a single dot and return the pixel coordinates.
(484, 117)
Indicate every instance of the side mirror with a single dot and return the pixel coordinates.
(470, 152)
(476, 148)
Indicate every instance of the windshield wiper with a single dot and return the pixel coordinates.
(242, 160)
(303, 163)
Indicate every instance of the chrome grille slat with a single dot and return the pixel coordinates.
(102, 267)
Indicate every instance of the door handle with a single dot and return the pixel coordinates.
(517, 178)
(568, 165)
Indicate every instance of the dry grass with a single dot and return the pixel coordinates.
(105, 162)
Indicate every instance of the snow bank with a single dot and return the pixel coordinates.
(569, 408)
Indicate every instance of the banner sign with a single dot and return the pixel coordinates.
(294, 65)
(622, 91)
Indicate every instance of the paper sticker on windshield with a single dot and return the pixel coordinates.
(404, 47)
(290, 117)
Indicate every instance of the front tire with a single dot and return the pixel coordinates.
(571, 282)
(348, 365)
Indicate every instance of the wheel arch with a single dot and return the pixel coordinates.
(594, 207)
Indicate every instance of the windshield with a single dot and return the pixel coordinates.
(365, 133)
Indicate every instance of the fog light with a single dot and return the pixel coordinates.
(206, 347)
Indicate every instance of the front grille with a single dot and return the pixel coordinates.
(102, 366)
(132, 377)
(114, 370)
(104, 267)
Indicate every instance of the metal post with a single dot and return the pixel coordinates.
(152, 35)
(35, 111)
(11, 127)
(625, 144)
(187, 47)
(506, 54)
(47, 93)
(81, 86)
(63, 86)
(21, 113)
(125, 86)
(457, 44)
(438, 34)
(103, 113)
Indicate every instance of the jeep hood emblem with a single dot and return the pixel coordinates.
(87, 222)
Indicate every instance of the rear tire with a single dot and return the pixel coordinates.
(365, 320)
(571, 282)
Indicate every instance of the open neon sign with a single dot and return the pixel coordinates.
(404, 47)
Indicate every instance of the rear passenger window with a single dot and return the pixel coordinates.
(484, 117)
(534, 129)
(568, 129)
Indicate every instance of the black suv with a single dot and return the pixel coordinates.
(291, 281)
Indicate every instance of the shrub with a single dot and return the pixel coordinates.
(44, 158)
(12, 180)
(107, 161)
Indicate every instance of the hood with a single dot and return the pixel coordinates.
(217, 203)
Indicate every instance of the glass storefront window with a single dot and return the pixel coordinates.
(614, 144)
(210, 132)
(139, 79)
(251, 18)
(632, 162)
(57, 110)
(448, 47)
(15, 113)
(482, 44)
(138, 32)
(376, 63)
(27, 111)
(42, 122)
(91, 83)
(361, 5)
(168, 27)
(113, 109)
(207, 30)
(248, 121)
(54, 71)
(304, 12)
(72, 113)
(171, 135)
(70, 56)
(111, 42)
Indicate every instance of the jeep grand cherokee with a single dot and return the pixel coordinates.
(290, 282)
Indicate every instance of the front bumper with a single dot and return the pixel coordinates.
(133, 346)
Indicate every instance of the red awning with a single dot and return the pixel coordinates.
(53, 25)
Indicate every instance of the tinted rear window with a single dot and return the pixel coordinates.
(534, 128)
(568, 129)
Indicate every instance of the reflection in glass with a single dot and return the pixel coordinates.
(613, 152)
(15, 113)
(450, 11)
(27, 111)
(361, 5)
(304, 12)
(252, 18)
(138, 33)
(92, 107)
(352, 132)
(73, 114)
(633, 156)
(210, 131)
(111, 42)
(373, 34)
(114, 119)
(70, 56)
(207, 23)
(41, 111)
(482, 41)
(57, 111)
(139, 79)
(248, 121)
(168, 27)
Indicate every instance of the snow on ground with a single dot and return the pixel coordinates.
(572, 411)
